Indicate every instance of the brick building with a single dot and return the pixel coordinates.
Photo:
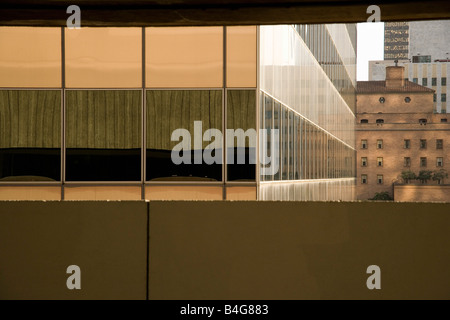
(397, 130)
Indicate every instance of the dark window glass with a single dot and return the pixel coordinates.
(423, 121)
(364, 121)
(291, 145)
(407, 99)
(439, 143)
(407, 143)
(443, 81)
(443, 120)
(379, 121)
(184, 116)
(443, 97)
(433, 81)
(434, 97)
(407, 161)
(423, 143)
(424, 81)
(415, 80)
(103, 132)
(380, 179)
(363, 178)
(423, 162)
(30, 135)
(439, 162)
(241, 117)
(382, 100)
(285, 145)
(363, 144)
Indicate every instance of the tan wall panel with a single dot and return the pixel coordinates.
(422, 193)
(104, 58)
(38, 241)
(241, 193)
(184, 57)
(30, 193)
(297, 250)
(183, 193)
(30, 57)
(241, 56)
(102, 193)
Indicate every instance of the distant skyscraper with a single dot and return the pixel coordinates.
(396, 40)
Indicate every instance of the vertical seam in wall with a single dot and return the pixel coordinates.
(63, 114)
(224, 114)
(147, 276)
(143, 121)
(258, 119)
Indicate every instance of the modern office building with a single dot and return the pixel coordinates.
(397, 131)
(144, 113)
(422, 47)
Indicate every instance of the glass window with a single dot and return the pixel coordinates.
(433, 81)
(443, 81)
(364, 162)
(364, 178)
(443, 120)
(30, 135)
(298, 147)
(178, 123)
(30, 57)
(379, 144)
(415, 80)
(241, 150)
(439, 143)
(423, 161)
(241, 56)
(379, 121)
(183, 57)
(94, 61)
(424, 81)
(379, 178)
(423, 143)
(407, 161)
(407, 99)
(364, 121)
(285, 145)
(434, 97)
(439, 162)
(103, 132)
(277, 126)
(379, 161)
(363, 144)
(291, 145)
(267, 124)
(443, 97)
(406, 143)
(382, 100)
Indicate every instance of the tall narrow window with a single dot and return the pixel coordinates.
(423, 143)
(241, 116)
(424, 81)
(364, 144)
(379, 178)
(439, 143)
(423, 161)
(406, 143)
(433, 81)
(363, 161)
(443, 97)
(364, 179)
(380, 161)
(439, 162)
(407, 161)
(379, 144)
(443, 81)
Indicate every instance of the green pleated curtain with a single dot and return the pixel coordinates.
(30, 119)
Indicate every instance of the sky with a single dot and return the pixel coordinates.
(370, 43)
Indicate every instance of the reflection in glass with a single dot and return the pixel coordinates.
(184, 57)
(104, 58)
(103, 132)
(268, 126)
(277, 126)
(30, 57)
(191, 113)
(241, 115)
(241, 56)
(30, 135)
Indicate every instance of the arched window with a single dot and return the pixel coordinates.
(423, 121)
(364, 121)
(380, 121)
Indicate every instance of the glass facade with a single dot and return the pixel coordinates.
(307, 92)
(175, 113)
